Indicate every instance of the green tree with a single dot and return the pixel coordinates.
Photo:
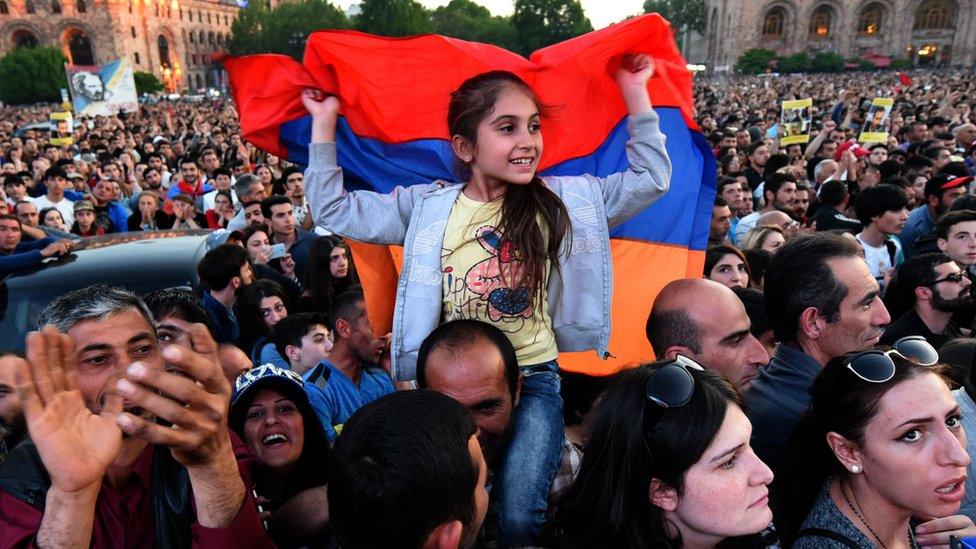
(283, 29)
(467, 20)
(32, 75)
(827, 61)
(393, 18)
(798, 62)
(541, 23)
(146, 82)
(754, 61)
(684, 15)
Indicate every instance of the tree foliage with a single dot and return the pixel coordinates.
(541, 23)
(283, 29)
(798, 62)
(754, 61)
(467, 20)
(146, 82)
(682, 14)
(393, 18)
(827, 61)
(32, 75)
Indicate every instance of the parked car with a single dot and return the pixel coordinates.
(140, 262)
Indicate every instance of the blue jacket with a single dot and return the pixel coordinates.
(778, 399)
(335, 398)
(919, 223)
(24, 255)
(579, 291)
(968, 410)
(300, 250)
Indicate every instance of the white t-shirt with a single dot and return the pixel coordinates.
(209, 198)
(878, 258)
(66, 207)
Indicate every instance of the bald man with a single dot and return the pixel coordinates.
(703, 320)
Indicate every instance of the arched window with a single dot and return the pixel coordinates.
(202, 38)
(820, 22)
(192, 37)
(81, 7)
(29, 6)
(773, 24)
(138, 61)
(210, 38)
(55, 7)
(208, 19)
(870, 19)
(81, 49)
(934, 14)
(163, 45)
(226, 20)
(25, 39)
(4, 8)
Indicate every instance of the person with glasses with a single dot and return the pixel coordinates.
(668, 464)
(930, 289)
(822, 303)
(880, 458)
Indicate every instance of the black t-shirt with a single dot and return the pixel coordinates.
(911, 324)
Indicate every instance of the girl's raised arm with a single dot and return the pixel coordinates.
(361, 215)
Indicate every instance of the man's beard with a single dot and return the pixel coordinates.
(13, 430)
(951, 305)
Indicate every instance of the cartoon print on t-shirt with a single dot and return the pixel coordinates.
(487, 284)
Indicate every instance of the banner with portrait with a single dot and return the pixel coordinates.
(875, 129)
(796, 121)
(102, 90)
(61, 129)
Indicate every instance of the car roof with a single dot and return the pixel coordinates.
(139, 258)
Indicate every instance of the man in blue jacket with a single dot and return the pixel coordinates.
(15, 254)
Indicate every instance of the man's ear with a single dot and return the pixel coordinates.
(663, 496)
(445, 536)
(236, 282)
(518, 389)
(942, 244)
(291, 352)
(343, 328)
(923, 292)
(674, 350)
(810, 322)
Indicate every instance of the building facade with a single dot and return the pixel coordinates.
(931, 33)
(174, 39)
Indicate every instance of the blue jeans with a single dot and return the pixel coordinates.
(532, 458)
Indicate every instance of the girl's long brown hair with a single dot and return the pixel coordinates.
(524, 207)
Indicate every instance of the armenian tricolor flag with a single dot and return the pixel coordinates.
(393, 131)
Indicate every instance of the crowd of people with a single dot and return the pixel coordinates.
(813, 388)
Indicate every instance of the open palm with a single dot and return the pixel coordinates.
(75, 445)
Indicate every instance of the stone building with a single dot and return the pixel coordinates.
(928, 32)
(173, 39)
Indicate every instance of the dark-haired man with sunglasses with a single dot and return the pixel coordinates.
(936, 289)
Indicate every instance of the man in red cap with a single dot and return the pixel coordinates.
(940, 191)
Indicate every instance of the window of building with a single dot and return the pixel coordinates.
(773, 24)
(191, 38)
(820, 22)
(132, 31)
(4, 8)
(29, 6)
(163, 45)
(136, 54)
(55, 7)
(934, 14)
(869, 20)
(25, 39)
(81, 7)
(209, 22)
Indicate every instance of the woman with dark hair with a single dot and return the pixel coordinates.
(668, 464)
(330, 272)
(257, 241)
(260, 307)
(222, 212)
(727, 265)
(271, 413)
(880, 451)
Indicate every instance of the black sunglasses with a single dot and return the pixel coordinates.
(670, 386)
(954, 277)
(876, 365)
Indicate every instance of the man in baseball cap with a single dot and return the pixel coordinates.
(940, 191)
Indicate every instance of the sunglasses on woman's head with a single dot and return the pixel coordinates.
(670, 386)
(876, 365)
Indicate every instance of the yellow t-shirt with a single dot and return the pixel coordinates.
(479, 265)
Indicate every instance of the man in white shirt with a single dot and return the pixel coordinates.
(56, 181)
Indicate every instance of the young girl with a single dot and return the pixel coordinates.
(498, 248)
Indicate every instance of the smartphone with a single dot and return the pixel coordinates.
(277, 251)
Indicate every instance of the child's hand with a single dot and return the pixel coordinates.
(635, 70)
(319, 104)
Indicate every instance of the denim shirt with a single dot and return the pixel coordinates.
(579, 290)
(778, 399)
(968, 410)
